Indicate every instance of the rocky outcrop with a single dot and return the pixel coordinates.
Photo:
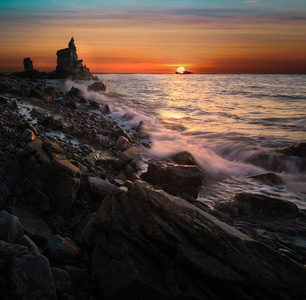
(149, 243)
(46, 178)
(28, 64)
(69, 66)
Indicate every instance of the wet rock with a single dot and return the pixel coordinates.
(4, 100)
(106, 109)
(245, 204)
(175, 179)
(38, 113)
(10, 228)
(166, 248)
(298, 149)
(51, 123)
(97, 87)
(268, 179)
(74, 92)
(183, 158)
(122, 143)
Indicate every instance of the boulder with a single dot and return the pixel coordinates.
(246, 204)
(97, 87)
(100, 187)
(46, 178)
(31, 277)
(298, 149)
(24, 274)
(175, 179)
(10, 228)
(62, 250)
(148, 244)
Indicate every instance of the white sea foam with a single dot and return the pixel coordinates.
(231, 124)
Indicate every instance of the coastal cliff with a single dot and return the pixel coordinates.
(79, 220)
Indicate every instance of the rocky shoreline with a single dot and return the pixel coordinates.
(78, 220)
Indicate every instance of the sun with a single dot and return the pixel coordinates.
(180, 70)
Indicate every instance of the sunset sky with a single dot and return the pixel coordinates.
(145, 36)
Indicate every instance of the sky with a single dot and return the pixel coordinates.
(145, 36)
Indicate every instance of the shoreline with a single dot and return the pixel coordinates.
(81, 206)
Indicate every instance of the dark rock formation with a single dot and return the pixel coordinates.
(175, 179)
(69, 66)
(46, 178)
(97, 87)
(148, 244)
(28, 64)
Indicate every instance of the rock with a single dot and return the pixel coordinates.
(268, 179)
(298, 149)
(46, 177)
(62, 250)
(245, 204)
(4, 100)
(69, 66)
(28, 136)
(74, 92)
(175, 179)
(33, 225)
(63, 282)
(10, 228)
(106, 109)
(28, 64)
(42, 95)
(73, 104)
(122, 143)
(30, 276)
(100, 187)
(94, 104)
(149, 243)
(183, 158)
(97, 87)
(51, 123)
(38, 113)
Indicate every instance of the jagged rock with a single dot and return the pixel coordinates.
(69, 66)
(97, 87)
(10, 228)
(149, 243)
(51, 123)
(28, 64)
(38, 113)
(175, 179)
(47, 179)
(246, 204)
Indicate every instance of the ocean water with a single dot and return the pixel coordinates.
(232, 124)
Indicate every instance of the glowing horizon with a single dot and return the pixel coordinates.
(249, 37)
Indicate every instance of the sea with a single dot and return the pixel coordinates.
(233, 125)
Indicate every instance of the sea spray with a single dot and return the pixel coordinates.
(232, 125)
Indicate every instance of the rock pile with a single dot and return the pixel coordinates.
(79, 221)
